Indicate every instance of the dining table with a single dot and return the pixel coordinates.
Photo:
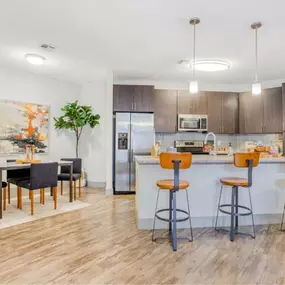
(14, 166)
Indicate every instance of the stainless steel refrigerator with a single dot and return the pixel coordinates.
(133, 136)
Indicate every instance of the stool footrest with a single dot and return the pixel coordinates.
(236, 232)
(170, 220)
(235, 214)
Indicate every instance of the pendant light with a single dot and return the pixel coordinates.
(193, 85)
(256, 86)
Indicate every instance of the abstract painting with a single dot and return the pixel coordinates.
(23, 124)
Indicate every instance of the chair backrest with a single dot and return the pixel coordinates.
(242, 159)
(43, 175)
(167, 159)
(18, 173)
(77, 165)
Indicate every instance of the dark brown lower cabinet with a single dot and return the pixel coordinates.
(165, 111)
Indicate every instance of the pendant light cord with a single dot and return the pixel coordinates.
(256, 59)
(194, 50)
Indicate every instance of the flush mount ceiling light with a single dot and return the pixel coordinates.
(193, 85)
(256, 86)
(210, 65)
(35, 59)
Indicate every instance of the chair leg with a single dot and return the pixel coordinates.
(253, 226)
(232, 232)
(4, 198)
(20, 198)
(153, 227)
(55, 197)
(31, 194)
(44, 196)
(281, 228)
(218, 210)
(79, 187)
(9, 193)
(61, 187)
(74, 189)
(41, 196)
(174, 234)
(190, 223)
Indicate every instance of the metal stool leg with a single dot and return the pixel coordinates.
(236, 221)
(190, 223)
(282, 219)
(219, 203)
(253, 226)
(232, 232)
(153, 228)
(174, 234)
(170, 211)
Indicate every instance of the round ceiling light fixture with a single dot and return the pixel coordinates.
(35, 59)
(210, 65)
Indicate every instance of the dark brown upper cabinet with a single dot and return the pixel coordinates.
(261, 113)
(192, 103)
(165, 111)
(133, 98)
(123, 98)
(223, 112)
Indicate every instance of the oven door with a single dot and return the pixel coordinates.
(189, 123)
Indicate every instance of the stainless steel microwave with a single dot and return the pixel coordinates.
(192, 123)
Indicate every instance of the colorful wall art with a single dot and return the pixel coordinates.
(22, 124)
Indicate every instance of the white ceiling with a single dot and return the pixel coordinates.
(143, 39)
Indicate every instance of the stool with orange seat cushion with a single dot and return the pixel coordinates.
(241, 160)
(173, 161)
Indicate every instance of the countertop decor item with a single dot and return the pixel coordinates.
(75, 117)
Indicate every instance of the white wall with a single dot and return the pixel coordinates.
(92, 144)
(27, 87)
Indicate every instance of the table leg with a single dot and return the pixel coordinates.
(70, 184)
(1, 202)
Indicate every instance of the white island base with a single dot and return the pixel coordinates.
(268, 191)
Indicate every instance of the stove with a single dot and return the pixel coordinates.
(195, 147)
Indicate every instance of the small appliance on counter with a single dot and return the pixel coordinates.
(195, 147)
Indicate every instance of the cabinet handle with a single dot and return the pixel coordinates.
(135, 106)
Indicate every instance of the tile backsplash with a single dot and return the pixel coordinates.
(237, 141)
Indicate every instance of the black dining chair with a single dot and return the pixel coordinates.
(42, 175)
(14, 176)
(65, 174)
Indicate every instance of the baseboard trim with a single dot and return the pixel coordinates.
(92, 184)
(209, 222)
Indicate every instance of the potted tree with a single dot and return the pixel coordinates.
(75, 117)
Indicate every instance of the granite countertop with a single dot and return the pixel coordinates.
(207, 159)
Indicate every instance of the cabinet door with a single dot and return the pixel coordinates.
(192, 103)
(143, 98)
(123, 96)
(230, 120)
(215, 101)
(165, 111)
(272, 106)
(250, 113)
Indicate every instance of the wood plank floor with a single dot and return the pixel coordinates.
(101, 245)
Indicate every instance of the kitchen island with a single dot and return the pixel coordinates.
(268, 190)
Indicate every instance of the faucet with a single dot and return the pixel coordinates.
(215, 142)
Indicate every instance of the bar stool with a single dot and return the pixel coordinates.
(175, 161)
(241, 160)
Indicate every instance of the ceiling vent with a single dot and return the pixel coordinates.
(49, 48)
